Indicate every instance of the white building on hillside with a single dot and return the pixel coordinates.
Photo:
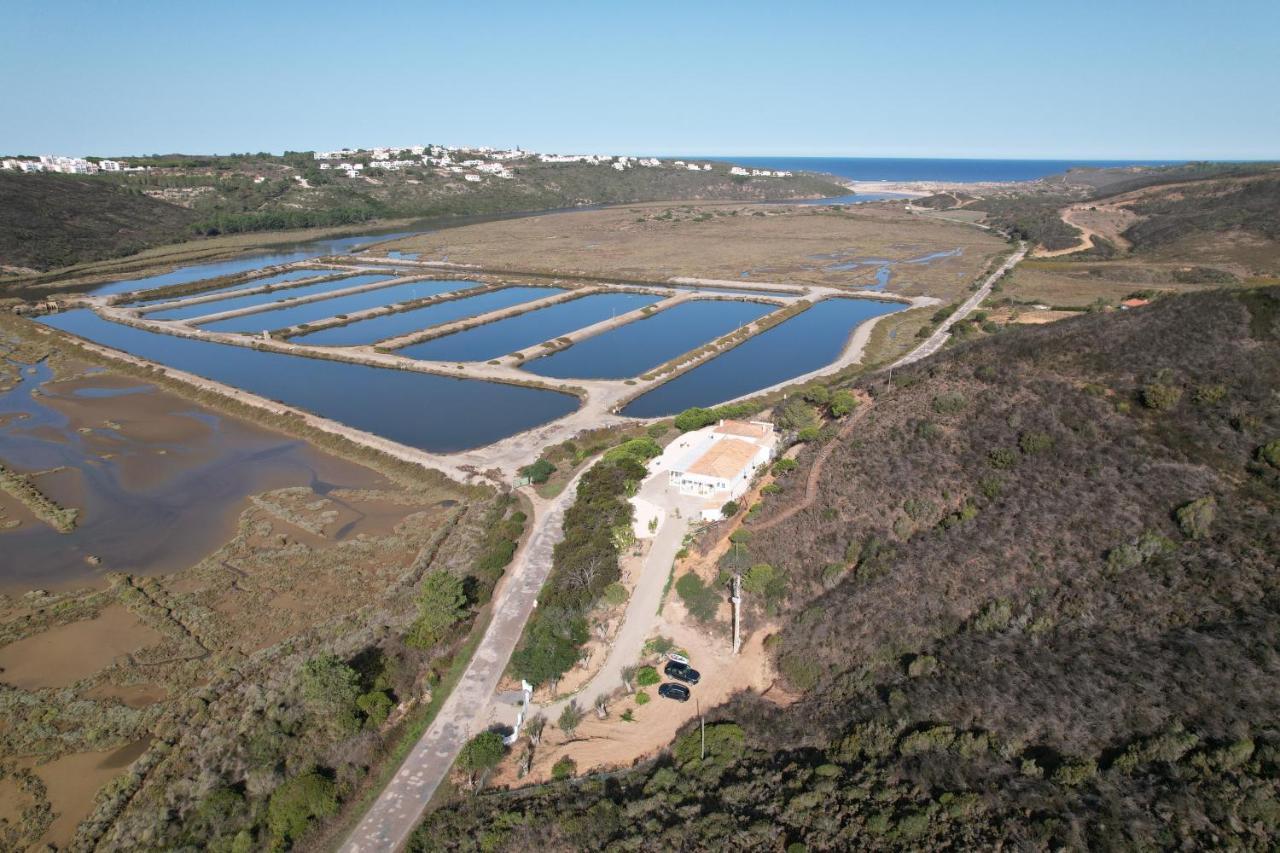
(718, 462)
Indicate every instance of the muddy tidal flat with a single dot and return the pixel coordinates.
(157, 482)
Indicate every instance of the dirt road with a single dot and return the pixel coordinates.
(935, 341)
(388, 823)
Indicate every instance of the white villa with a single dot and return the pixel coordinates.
(718, 462)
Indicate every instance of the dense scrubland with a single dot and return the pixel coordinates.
(1035, 604)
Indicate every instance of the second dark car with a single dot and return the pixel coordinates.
(671, 690)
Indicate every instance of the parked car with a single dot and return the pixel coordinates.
(671, 690)
(682, 672)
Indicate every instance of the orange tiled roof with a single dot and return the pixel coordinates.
(725, 458)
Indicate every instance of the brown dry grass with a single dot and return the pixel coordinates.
(772, 243)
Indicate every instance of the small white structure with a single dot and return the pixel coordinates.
(718, 462)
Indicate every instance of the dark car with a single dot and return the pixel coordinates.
(682, 672)
(678, 692)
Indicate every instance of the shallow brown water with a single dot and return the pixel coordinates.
(159, 482)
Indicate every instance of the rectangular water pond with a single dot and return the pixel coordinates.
(256, 261)
(375, 329)
(434, 413)
(806, 342)
(279, 318)
(634, 348)
(516, 333)
(233, 302)
(291, 275)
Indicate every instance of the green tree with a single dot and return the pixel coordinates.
(297, 802)
(331, 688)
(569, 719)
(481, 754)
(538, 472)
(441, 603)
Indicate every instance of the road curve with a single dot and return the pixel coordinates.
(934, 342)
(389, 822)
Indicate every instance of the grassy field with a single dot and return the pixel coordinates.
(767, 243)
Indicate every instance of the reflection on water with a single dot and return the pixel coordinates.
(375, 329)
(803, 343)
(435, 413)
(197, 272)
(147, 504)
(525, 330)
(235, 303)
(279, 318)
(634, 348)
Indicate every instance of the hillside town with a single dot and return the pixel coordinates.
(66, 165)
(473, 164)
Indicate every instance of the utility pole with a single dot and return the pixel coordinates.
(703, 723)
(737, 610)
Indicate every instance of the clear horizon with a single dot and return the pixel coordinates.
(1148, 81)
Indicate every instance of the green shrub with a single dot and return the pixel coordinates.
(376, 706)
(642, 698)
(990, 487)
(647, 676)
(922, 665)
(1003, 458)
(539, 472)
(933, 739)
(784, 465)
(725, 744)
(1035, 442)
(615, 594)
(1195, 518)
(701, 601)
(1075, 773)
(1270, 453)
(1209, 395)
(800, 670)
(949, 403)
(1160, 396)
(842, 403)
(919, 510)
(730, 509)
(1122, 558)
(994, 616)
(641, 449)
(564, 768)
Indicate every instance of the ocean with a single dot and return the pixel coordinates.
(928, 169)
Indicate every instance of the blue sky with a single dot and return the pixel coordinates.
(1142, 80)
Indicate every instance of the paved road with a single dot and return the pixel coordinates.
(642, 609)
(935, 341)
(396, 812)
